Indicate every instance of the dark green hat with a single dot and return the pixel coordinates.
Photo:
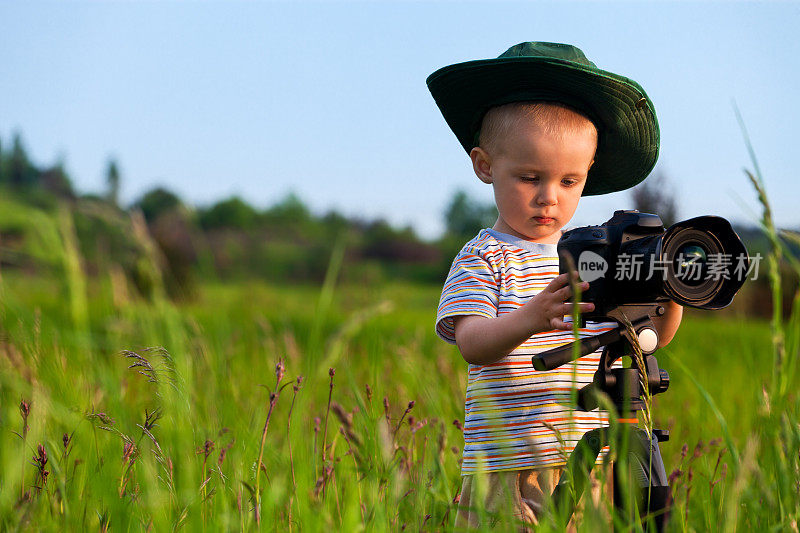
(628, 138)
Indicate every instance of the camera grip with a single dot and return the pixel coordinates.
(556, 357)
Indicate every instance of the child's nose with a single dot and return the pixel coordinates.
(548, 195)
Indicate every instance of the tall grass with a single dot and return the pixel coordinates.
(295, 408)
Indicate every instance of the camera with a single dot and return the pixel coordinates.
(631, 259)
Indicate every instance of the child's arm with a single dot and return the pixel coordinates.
(667, 324)
(485, 340)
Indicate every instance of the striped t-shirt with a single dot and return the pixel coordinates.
(515, 417)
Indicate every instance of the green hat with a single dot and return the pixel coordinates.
(628, 138)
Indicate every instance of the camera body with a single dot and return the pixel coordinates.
(632, 259)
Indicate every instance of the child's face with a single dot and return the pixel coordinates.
(538, 178)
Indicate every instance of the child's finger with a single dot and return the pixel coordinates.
(557, 283)
(583, 307)
(559, 323)
(561, 281)
(565, 293)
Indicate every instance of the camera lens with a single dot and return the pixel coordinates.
(688, 251)
(691, 263)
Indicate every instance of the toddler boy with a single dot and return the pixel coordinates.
(543, 126)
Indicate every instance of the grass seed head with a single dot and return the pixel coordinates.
(206, 449)
(223, 452)
(128, 452)
(344, 417)
(102, 417)
(416, 426)
(150, 418)
(279, 370)
(24, 411)
(40, 461)
(698, 450)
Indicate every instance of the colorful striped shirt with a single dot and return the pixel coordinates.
(515, 417)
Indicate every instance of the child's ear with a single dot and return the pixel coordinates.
(481, 164)
(590, 164)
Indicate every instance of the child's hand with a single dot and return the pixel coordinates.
(547, 309)
(483, 341)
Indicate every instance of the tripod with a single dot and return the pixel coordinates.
(640, 481)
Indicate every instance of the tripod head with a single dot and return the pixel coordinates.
(623, 385)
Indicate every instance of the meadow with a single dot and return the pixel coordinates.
(275, 407)
(171, 438)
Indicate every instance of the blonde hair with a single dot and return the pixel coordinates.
(556, 119)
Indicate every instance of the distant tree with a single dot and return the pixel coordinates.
(2, 164)
(291, 218)
(655, 195)
(112, 182)
(232, 213)
(173, 232)
(335, 223)
(157, 202)
(290, 209)
(56, 181)
(382, 241)
(464, 217)
(21, 172)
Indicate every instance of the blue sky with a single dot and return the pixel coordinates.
(329, 99)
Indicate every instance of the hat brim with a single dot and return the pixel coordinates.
(628, 133)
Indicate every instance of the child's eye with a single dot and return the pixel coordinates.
(569, 183)
(529, 179)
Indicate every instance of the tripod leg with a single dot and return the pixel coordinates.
(645, 484)
(575, 478)
(659, 487)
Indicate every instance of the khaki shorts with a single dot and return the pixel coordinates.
(515, 500)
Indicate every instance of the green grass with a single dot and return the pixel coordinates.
(224, 348)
